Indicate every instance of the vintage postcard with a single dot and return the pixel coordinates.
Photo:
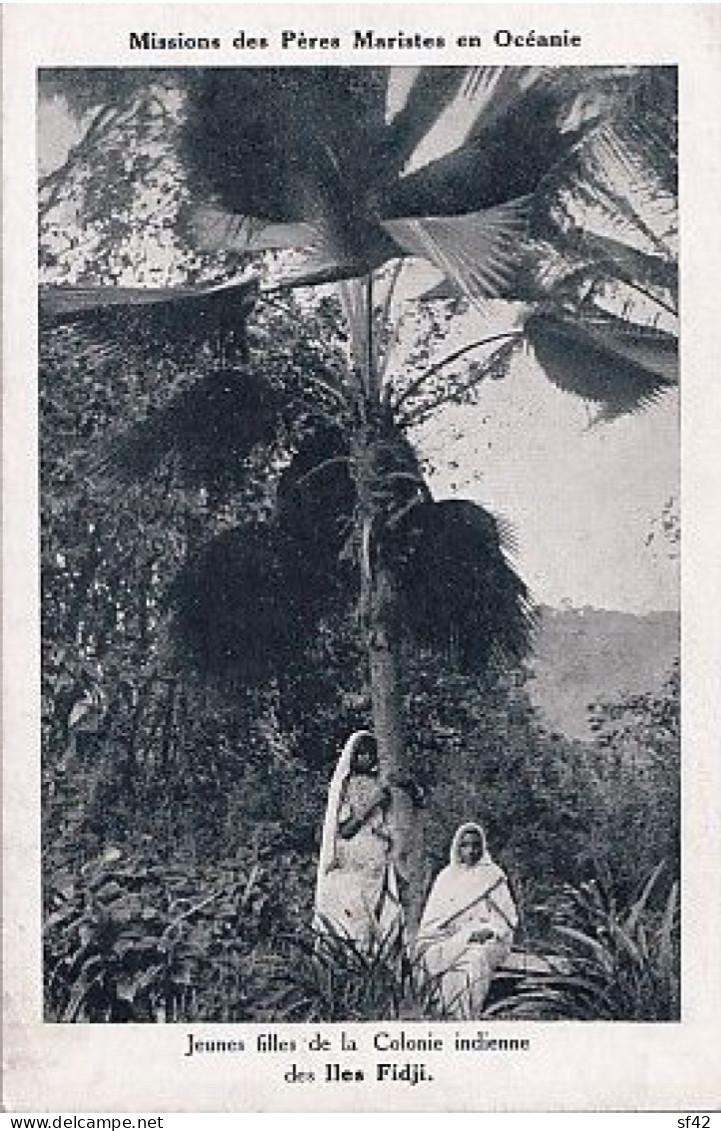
(360, 570)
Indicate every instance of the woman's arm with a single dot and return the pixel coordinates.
(354, 822)
(483, 934)
(411, 787)
(495, 914)
(504, 916)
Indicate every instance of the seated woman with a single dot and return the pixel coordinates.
(467, 926)
(357, 889)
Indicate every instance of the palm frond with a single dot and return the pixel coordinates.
(245, 602)
(460, 594)
(649, 212)
(316, 496)
(215, 229)
(145, 326)
(620, 367)
(432, 91)
(582, 95)
(431, 390)
(643, 133)
(210, 428)
(216, 301)
(479, 251)
(636, 147)
(283, 144)
(629, 264)
(328, 266)
(529, 127)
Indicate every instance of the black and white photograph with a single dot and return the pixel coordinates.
(360, 624)
(360, 526)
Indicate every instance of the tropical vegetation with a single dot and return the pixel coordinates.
(243, 556)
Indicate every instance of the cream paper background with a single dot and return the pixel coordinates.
(570, 1066)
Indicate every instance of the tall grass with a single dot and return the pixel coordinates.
(605, 962)
(328, 976)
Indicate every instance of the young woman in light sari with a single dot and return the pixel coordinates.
(467, 926)
(356, 888)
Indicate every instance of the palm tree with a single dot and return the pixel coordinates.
(310, 159)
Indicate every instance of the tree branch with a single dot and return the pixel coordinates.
(423, 411)
(417, 385)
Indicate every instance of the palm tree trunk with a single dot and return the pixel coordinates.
(394, 762)
(380, 623)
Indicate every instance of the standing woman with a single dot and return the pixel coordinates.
(356, 888)
(467, 925)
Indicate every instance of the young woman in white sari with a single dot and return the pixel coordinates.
(467, 926)
(356, 889)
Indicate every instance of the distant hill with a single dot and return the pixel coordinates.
(585, 654)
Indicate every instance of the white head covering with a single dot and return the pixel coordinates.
(364, 900)
(336, 791)
(462, 886)
(454, 853)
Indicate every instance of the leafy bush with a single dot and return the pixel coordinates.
(126, 940)
(606, 962)
(636, 762)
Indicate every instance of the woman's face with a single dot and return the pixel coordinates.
(470, 848)
(365, 759)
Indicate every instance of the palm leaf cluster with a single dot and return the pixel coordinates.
(618, 366)
(308, 158)
(211, 428)
(460, 596)
(148, 321)
(246, 602)
(313, 160)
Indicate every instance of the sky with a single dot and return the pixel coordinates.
(582, 499)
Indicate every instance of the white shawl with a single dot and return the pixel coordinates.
(477, 892)
(336, 793)
(328, 858)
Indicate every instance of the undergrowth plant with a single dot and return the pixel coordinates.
(127, 940)
(329, 976)
(605, 962)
